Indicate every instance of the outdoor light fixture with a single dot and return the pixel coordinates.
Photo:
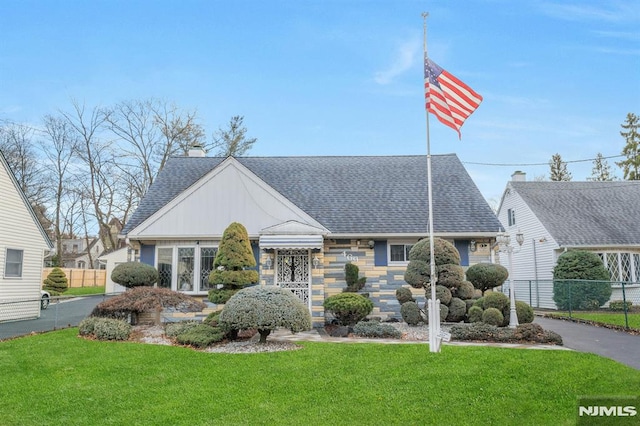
(472, 246)
(268, 262)
(316, 262)
(504, 239)
(371, 244)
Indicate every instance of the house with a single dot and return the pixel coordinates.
(307, 217)
(557, 216)
(79, 253)
(23, 243)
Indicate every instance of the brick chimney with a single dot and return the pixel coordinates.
(519, 176)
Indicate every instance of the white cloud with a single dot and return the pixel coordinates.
(405, 57)
(612, 11)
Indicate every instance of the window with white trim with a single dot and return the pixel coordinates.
(622, 266)
(399, 252)
(13, 263)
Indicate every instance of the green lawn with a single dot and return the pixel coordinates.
(83, 291)
(59, 378)
(613, 318)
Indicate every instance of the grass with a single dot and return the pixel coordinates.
(84, 291)
(58, 378)
(613, 318)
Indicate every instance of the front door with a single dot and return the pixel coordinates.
(292, 272)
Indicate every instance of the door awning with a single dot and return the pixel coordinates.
(291, 242)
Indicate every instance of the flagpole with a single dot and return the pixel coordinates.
(433, 304)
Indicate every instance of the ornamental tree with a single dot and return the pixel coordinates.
(56, 281)
(134, 274)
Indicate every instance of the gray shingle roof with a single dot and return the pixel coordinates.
(586, 213)
(350, 194)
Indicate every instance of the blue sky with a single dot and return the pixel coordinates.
(343, 77)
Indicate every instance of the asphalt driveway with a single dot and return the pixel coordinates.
(617, 345)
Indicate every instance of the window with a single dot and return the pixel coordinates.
(186, 267)
(165, 269)
(399, 252)
(622, 266)
(13, 263)
(511, 217)
(207, 256)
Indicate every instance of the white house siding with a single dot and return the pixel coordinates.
(19, 230)
(112, 260)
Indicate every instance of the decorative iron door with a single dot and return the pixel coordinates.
(292, 272)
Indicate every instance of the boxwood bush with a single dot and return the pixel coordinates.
(493, 316)
(348, 308)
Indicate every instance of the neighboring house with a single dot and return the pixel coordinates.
(557, 216)
(80, 253)
(306, 218)
(23, 243)
(109, 261)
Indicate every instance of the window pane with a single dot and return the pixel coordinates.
(625, 266)
(397, 253)
(207, 256)
(185, 268)
(636, 267)
(13, 264)
(612, 265)
(165, 259)
(407, 249)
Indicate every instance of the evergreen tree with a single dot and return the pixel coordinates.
(601, 171)
(558, 169)
(233, 140)
(631, 166)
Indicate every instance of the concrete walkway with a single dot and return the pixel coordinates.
(617, 345)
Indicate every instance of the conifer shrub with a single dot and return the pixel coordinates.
(265, 309)
(485, 276)
(524, 312)
(348, 308)
(445, 252)
(200, 336)
(464, 290)
(354, 281)
(173, 329)
(403, 295)
(492, 316)
(134, 274)
(450, 275)
(457, 310)
(580, 281)
(56, 282)
(220, 296)
(620, 305)
(376, 329)
(475, 314)
(495, 299)
(411, 313)
(418, 273)
(105, 328)
(442, 293)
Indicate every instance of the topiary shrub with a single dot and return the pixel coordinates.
(265, 309)
(485, 276)
(200, 336)
(220, 295)
(56, 282)
(620, 305)
(464, 290)
(450, 275)
(457, 310)
(475, 331)
(212, 318)
(134, 274)
(348, 308)
(495, 299)
(403, 295)
(580, 281)
(233, 259)
(418, 274)
(173, 329)
(492, 316)
(524, 312)
(444, 312)
(351, 274)
(443, 294)
(479, 302)
(475, 314)
(411, 313)
(445, 252)
(376, 329)
(105, 328)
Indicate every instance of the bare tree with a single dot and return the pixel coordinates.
(558, 169)
(233, 140)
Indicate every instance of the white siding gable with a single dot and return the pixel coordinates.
(229, 193)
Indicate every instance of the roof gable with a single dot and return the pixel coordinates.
(585, 213)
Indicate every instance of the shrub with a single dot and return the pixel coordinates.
(213, 318)
(442, 293)
(445, 252)
(479, 303)
(475, 314)
(450, 275)
(144, 299)
(620, 305)
(104, 328)
(220, 295)
(580, 281)
(444, 312)
(492, 316)
(534, 333)
(200, 336)
(403, 295)
(457, 310)
(475, 331)
(524, 312)
(354, 283)
(418, 274)
(484, 332)
(56, 282)
(233, 258)
(485, 276)
(348, 308)
(495, 299)
(174, 329)
(376, 329)
(134, 274)
(411, 313)
(464, 290)
(265, 309)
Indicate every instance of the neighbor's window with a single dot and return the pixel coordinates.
(13, 263)
(511, 217)
(399, 252)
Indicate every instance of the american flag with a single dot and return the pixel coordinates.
(448, 98)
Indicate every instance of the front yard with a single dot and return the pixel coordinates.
(58, 378)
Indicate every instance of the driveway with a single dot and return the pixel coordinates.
(617, 345)
(59, 314)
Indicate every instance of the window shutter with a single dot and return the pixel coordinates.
(463, 248)
(380, 253)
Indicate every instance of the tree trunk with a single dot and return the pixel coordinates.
(263, 335)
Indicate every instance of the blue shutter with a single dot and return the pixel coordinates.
(380, 253)
(463, 248)
(256, 254)
(148, 254)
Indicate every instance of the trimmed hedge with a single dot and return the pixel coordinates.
(376, 329)
(411, 313)
(105, 328)
(493, 316)
(348, 308)
(485, 276)
(134, 274)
